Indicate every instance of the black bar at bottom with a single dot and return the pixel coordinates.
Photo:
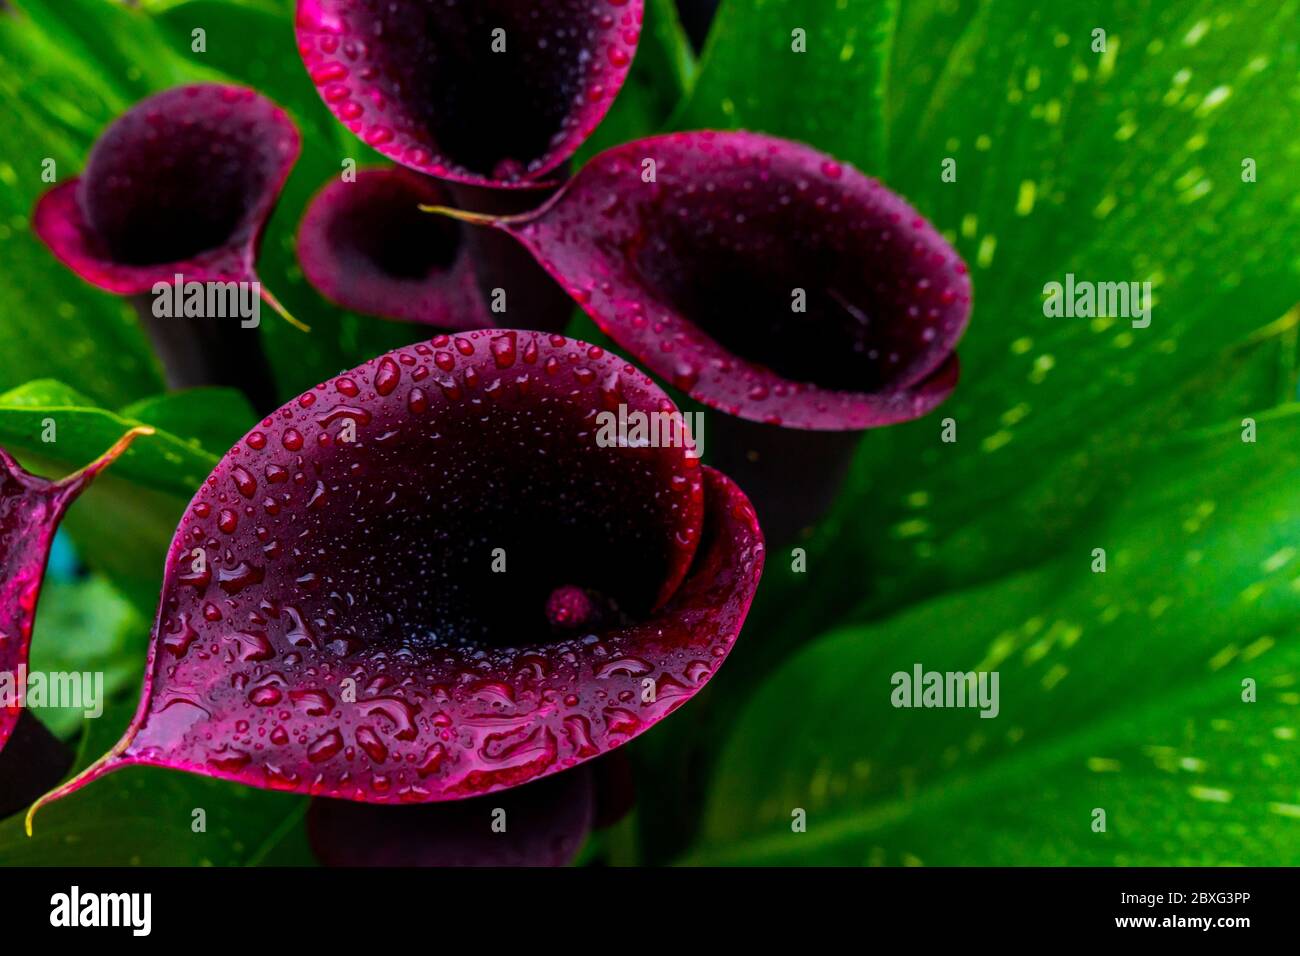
(576, 904)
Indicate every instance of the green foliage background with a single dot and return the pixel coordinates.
(1120, 690)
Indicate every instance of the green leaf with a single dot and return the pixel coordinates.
(1067, 161)
(147, 816)
(273, 7)
(211, 419)
(86, 626)
(1118, 166)
(1120, 690)
(78, 431)
(124, 522)
(831, 95)
(55, 102)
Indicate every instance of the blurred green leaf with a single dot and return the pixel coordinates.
(56, 98)
(87, 626)
(830, 94)
(1120, 690)
(274, 7)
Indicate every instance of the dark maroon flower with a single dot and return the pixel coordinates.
(614, 788)
(366, 246)
(771, 283)
(761, 276)
(30, 510)
(356, 602)
(182, 183)
(542, 823)
(491, 92)
(32, 761)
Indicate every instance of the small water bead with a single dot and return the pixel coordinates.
(243, 481)
(504, 350)
(387, 376)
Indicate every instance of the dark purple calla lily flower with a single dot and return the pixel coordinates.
(30, 511)
(430, 578)
(768, 281)
(542, 823)
(493, 93)
(31, 758)
(760, 276)
(182, 183)
(366, 246)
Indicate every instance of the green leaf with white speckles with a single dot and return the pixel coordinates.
(1120, 690)
(1117, 166)
(85, 625)
(1123, 165)
(784, 67)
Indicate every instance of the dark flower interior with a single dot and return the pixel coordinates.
(430, 578)
(482, 109)
(762, 277)
(391, 543)
(365, 245)
(732, 259)
(181, 173)
(377, 226)
(422, 82)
